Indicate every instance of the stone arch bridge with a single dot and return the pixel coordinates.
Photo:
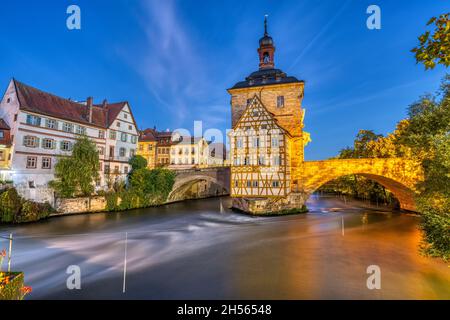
(397, 175)
(200, 183)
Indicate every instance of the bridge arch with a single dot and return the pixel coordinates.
(399, 176)
(195, 184)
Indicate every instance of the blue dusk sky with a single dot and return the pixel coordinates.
(174, 60)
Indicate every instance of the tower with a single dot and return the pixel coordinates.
(266, 49)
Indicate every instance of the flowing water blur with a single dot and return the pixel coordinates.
(195, 250)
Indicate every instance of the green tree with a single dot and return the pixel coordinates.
(434, 48)
(10, 204)
(428, 118)
(152, 185)
(138, 162)
(347, 153)
(428, 135)
(75, 175)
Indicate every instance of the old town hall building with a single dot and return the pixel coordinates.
(267, 138)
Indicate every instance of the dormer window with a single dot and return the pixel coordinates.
(80, 130)
(51, 124)
(67, 127)
(33, 120)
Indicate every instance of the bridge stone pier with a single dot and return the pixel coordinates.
(200, 183)
(397, 175)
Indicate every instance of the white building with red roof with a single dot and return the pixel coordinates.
(44, 127)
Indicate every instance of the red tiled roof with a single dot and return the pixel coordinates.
(37, 101)
(160, 136)
(163, 134)
(6, 139)
(147, 135)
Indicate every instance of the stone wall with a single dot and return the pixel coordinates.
(289, 116)
(262, 206)
(41, 193)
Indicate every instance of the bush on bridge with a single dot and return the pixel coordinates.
(145, 188)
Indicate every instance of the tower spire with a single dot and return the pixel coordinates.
(266, 49)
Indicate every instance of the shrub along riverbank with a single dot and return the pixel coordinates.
(15, 209)
(145, 188)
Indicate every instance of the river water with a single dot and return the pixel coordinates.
(192, 250)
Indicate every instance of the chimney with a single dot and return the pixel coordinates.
(89, 106)
(105, 102)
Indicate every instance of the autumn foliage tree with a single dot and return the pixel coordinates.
(434, 47)
(428, 136)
